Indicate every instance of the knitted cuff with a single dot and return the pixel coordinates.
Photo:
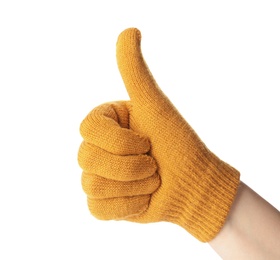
(201, 201)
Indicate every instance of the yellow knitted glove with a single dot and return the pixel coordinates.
(143, 162)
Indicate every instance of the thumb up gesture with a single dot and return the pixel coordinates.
(143, 162)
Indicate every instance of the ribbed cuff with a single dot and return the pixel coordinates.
(202, 198)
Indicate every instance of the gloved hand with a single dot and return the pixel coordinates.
(143, 162)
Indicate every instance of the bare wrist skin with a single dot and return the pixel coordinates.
(252, 229)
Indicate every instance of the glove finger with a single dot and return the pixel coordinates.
(118, 208)
(101, 188)
(95, 160)
(139, 81)
(107, 126)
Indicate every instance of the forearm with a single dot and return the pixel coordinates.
(252, 229)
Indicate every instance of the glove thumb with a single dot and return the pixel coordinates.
(140, 83)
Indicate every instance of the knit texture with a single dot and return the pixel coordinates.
(143, 162)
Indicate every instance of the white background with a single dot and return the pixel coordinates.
(219, 63)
